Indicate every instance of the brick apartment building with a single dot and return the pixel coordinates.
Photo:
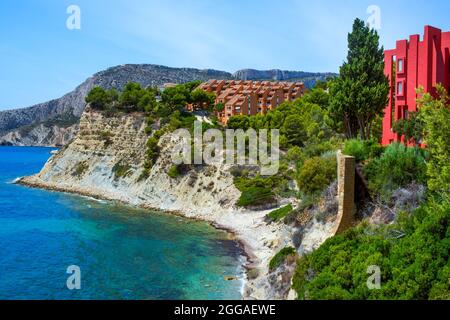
(414, 63)
(251, 97)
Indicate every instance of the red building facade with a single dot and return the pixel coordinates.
(414, 63)
(250, 97)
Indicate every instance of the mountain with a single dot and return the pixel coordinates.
(308, 78)
(40, 125)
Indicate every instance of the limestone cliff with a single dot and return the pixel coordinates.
(40, 135)
(106, 160)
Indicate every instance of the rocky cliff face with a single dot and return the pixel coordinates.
(72, 104)
(40, 135)
(106, 160)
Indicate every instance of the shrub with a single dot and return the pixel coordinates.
(413, 266)
(269, 186)
(375, 149)
(397, 167)
(80, 169)
(131, 96)
(219, 107)
(411, 128)
(253, 196)
(316, 148)
(434, 113)
(202, 99)
(147, 102)
(106, 136)
(121, 170)
(356, 148)
(295, 154)
(239, 122)
(173, 172)
(362, 150)
(280, 257)
(98, 98)
(153, 149)
(279, 214)
(316, 174)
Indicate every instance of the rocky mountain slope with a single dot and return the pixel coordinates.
(308, 78)
(40, 135)
(106, 160)
(72, 104)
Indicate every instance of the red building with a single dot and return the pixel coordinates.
(414, 63)
(250, 97)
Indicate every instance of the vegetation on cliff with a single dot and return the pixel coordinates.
(306, 136)
(412, 255)
(163, 115)
(412, 252)
(281, 256)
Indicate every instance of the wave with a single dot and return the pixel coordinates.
(14, 181)
(242, 274)
(95, 199)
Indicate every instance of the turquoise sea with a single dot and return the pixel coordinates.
(122, 253)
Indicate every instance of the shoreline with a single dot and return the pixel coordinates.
(250, 284)
(233, 236)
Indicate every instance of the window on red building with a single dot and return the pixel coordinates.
(400, 88)
(400, 66)
(405, 112)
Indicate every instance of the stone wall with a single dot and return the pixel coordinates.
(346, 192)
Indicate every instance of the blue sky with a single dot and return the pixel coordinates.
(41, 59)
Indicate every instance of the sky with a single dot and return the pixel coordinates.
(42, 59)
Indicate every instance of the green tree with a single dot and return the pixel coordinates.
(97, 98)
(318, 96)
(191, 86)
(219, 107)
(316, 174)
(113, 95)
(202, 99)
(360, 93)
(147, 102)
(179, 96)
(435, 115)
(238, 122)
(294, 130)
(320, 84)
(411, 128)
(131, 95)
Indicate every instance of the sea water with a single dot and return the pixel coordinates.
(121, 252)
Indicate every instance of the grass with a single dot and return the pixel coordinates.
(279, 214)
(173, 172)
(121, 170)
(106, 137)
(80, 169)
(253, 196)
(280, 257)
